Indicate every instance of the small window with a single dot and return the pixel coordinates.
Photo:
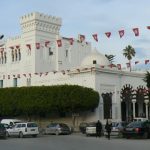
(94, 62)
(66, 53)
(15, 82)
(1, 83)
(50, 51)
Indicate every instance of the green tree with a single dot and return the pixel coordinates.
(147, 80)
(129, 52)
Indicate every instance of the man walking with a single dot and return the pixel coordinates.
(98, 129)
(108, 128)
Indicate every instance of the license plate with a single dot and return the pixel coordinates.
(129, 129)
(32, 129)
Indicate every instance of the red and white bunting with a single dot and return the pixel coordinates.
(95, 36)
(37, 45)
(11, 47)
(24, 75)
(146, 62)
(1, 49)
(30, 75)
(46, 73)
(40, 74)
(136, 31)
(47, 43)
(102, 66)
(28, 46)
(78, 70)
(18, 76)
(59, 43)
(17, 46)
(136, 62)
(148, 27)
(121, 33)
(108, 34)
(119, 66)
(71, 40)
(82, 38)
(128, 65)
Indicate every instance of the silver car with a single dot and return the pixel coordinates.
(57, 128)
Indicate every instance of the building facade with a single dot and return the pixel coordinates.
(35, 58)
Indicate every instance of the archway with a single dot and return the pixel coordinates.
(126, 103)
(107, 105)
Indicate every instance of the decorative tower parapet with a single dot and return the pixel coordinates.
(41, 22)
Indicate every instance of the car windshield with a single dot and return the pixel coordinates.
(134, 124)
(63, 125)
(31, 125)
(92, 124)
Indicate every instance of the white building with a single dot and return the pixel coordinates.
(26, 61)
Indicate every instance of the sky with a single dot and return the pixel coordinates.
(88, 17)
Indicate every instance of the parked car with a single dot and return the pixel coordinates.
(10, 122)
(82, 127)
(137, 128)
(91, 129)
(117, 128)
(57, 128)
(2, 131)
(139, 119)
(23, 129)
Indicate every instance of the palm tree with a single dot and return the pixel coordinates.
(110, 58)
(147, 80)
(129, 52)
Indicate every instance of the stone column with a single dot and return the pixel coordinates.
(133, 101)
(146, 103)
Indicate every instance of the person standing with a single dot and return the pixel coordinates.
(98, 129)
(108, 128)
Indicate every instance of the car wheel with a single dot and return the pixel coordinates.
(57, 132)
(145, 135)
(7, 134)
(20, 135)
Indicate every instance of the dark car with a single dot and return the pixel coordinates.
(57, 128)
(137, 129)
(82, 127)
(2, 131)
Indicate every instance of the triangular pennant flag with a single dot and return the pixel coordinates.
(28, 46)
(121, 33)
(37, 45)
(59, 43)
(47, 43)
(71, 41)
(82, 38)
(146, 62)
(24, 75)
(95, 36)
(136, 62)
(148, 27)
(11, 47)
(136, 31)
(128, 65)
(119, 66)
(46, 73)
(108, 34)
(17, 46)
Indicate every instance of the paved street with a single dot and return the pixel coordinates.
(73, 142)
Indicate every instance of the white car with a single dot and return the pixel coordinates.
(23, 129)
(91, 129)
(10, 122)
